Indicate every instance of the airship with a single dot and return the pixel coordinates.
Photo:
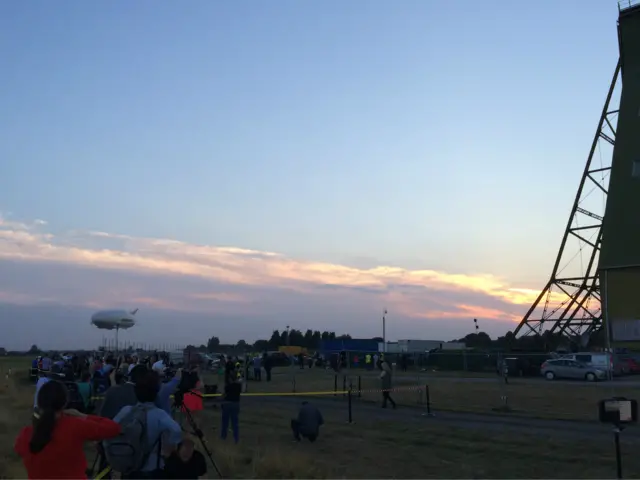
(114, 320)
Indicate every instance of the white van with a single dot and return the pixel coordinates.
(600, 360)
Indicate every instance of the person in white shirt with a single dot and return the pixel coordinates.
(158, 366)
(134, 362)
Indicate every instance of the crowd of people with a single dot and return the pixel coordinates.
(134, 426)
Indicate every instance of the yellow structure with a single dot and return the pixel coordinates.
(292, 350)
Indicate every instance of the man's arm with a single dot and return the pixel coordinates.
(170, 428)
(166, 390)
(122, 413)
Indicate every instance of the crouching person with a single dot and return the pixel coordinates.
(185, 462)
(308, 423)
(146, 432)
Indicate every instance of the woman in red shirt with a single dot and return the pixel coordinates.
(53, 446)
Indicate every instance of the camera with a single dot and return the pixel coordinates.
(188, 381)
(618, 411)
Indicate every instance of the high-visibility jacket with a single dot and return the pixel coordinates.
(367, 358)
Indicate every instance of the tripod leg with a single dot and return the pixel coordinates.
(616, 435)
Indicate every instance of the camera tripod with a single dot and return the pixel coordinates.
(178, 405)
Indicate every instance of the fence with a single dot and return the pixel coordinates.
(522, 364)
(488, 394)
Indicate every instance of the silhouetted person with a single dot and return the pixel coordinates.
(267, 363)
(308, 423)
(386, 384)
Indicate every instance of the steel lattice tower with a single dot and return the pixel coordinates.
(570, 303)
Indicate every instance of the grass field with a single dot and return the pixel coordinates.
(376, 447)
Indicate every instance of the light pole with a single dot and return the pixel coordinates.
(384, 331)
(475, 322)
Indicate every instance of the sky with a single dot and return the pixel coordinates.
(232, 168)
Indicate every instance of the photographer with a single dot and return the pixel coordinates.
(190, 389)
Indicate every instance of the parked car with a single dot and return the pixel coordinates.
(600, 360)
(571, 369)
(631, 365)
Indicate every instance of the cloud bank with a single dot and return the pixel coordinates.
(268, 290)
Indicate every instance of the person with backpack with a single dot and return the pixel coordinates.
(120, 396)
(146, 432)
(53, 446)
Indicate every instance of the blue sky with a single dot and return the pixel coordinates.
(422, 135)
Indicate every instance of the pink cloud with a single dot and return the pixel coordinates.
(404, 290)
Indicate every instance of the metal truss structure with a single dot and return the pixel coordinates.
(569, 304)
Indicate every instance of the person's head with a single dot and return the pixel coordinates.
(147, 387)
(137, 372)
(85, 376)
(185, 449)
(52, 399)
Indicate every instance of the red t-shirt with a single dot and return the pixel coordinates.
(63, 456)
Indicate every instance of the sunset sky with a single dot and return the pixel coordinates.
(232, 168)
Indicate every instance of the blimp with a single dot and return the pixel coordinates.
(114, 320)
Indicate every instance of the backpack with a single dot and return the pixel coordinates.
(129, 451)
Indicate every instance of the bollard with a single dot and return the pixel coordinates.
(335, 385)
(344, 385)
(349, 403)
(359, 386)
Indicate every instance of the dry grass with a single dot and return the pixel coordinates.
(374, 448)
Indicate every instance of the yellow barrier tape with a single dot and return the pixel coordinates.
(274, 394)
(293, 394)
(102, 473)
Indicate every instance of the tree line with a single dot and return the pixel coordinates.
(310, 339)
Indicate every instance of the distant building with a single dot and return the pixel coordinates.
(348, 345)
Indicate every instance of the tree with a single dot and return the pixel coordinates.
(296, 338)
(275, 340)
(261, 346)
(242, 345)
(213, 344)
(308, 339)
(34, 349)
